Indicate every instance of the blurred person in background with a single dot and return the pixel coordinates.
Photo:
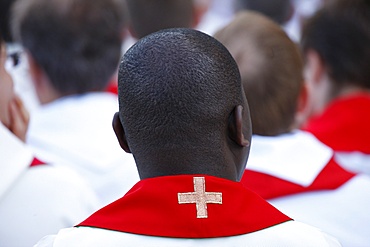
(279, 11)
(147, 16)
(73, 48)
(335, 43)
(289, 14)
(184, 116)
(17, 66)
(35, 198)
(291, 168)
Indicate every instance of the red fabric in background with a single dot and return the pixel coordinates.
(36, 162)
(345, 124)
(112, 88)
(269, 187)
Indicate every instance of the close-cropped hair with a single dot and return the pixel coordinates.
(271, 70)
(76, 42)
(340, 34)
(177, 89)
(149, 16)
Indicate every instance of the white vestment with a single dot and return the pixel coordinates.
(355, 161)
(39, 200)
(286, 234)
(76, 131)
(299, 157)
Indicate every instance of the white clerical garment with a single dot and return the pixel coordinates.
(299, 176)
(344, 126)
(37, 200)
(76, 131)
(189, 210)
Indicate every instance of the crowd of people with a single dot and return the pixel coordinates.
(184, 123)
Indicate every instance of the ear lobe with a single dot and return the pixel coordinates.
(236, 127)
(120, 133)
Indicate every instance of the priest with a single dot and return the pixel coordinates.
(184, 117)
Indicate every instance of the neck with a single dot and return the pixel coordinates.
(350, 90)
(48, 97)
(45, 91)
(167, 165)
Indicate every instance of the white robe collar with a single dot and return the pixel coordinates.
(297, 157)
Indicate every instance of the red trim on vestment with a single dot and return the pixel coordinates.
(37, 162)
(151, 208)
(344, 125)
(269, 187)
(112, 87)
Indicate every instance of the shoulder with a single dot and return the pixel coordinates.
(302, 234)
(58, 182)
(45, 201)
(73, 106)
(59, 192)
(285, 234)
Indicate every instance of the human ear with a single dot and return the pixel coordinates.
(314, 68)
(235, 127)
(44, 88)
(303, 107)
(302, 98)
(319, 85)
(120, 133)
(35, 71)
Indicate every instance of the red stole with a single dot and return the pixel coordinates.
(344, 125)
(152, 208)
(269, 187)
(36, 162)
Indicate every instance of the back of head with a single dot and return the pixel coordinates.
(340, 34)
(177, 88)
(270, 67)
(76, 42)
(149, 16)
(278, 10)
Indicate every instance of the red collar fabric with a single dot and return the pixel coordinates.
(165, 207)
(344, 125)
(269, 187)
(36, 162)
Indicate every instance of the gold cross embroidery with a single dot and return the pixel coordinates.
(200, 197)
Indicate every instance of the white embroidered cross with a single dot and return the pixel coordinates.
(200, 197)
